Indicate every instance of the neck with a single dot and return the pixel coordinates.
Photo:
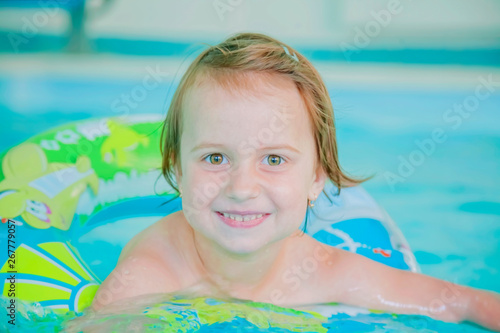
(238, 274)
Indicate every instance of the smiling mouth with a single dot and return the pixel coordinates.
(243, 218)
(239, 221)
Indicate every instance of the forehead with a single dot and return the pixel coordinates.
(266, 107)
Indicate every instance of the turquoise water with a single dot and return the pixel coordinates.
(448, 207)
(171, 315)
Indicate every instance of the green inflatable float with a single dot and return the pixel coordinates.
(72, 197)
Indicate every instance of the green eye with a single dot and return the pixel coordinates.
(215, 159)
(274, 160)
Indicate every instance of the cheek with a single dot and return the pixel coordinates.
(291, 197)
(198, 193)
(292, 186)
(203, 186)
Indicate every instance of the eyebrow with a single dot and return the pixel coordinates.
(217, 145)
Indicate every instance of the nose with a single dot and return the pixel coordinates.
(243, 183)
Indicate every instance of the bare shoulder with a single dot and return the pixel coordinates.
(311, 252)
(147, 263)
(315, 272)
(303, 273)
(345, 274)
(155, 239)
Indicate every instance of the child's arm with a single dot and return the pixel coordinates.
(364, 282)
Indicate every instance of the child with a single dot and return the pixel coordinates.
(250, 140)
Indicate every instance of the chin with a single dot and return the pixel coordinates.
(240, 248)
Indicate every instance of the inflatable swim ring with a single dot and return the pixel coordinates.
(72, 197)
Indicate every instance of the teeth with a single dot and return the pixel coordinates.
(245, 218)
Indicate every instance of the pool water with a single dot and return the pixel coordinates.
(156, 313)
(448, 207)
(442, 193)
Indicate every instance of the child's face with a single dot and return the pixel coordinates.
(235, 171)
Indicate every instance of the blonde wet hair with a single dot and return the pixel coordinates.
(245, 53)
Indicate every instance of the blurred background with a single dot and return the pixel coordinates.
(415, 87)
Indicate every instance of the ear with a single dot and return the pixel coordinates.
(318, 183)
